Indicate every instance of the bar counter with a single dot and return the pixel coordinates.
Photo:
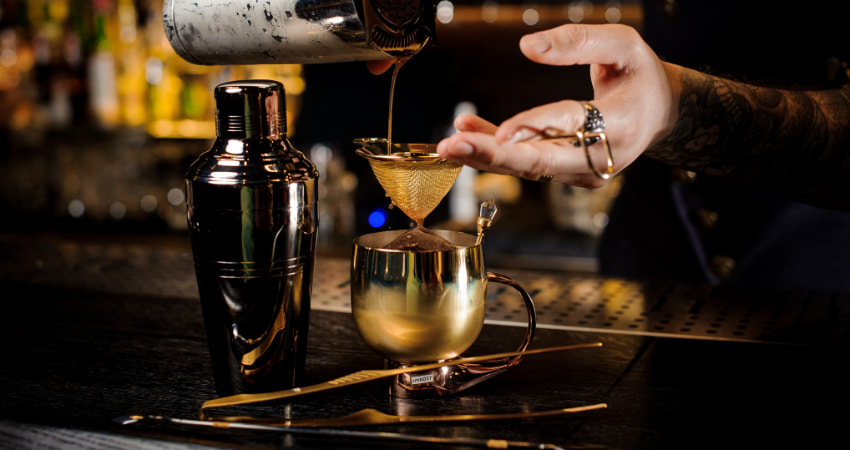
(96, 329)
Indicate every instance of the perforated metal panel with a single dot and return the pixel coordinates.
(564, 301)
(583, 302)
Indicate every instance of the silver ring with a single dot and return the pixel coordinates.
(545, 179)
(593, 123)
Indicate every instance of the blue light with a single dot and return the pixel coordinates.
(378, 218)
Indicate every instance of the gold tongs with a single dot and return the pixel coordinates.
(377, 435)
(364, 376)
(369, 416)
(585, 139)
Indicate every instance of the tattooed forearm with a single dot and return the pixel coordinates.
(793, 143)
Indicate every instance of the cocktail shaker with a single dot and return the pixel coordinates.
(252, 214)
(213, 32)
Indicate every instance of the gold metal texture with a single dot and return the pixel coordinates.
(413, 176)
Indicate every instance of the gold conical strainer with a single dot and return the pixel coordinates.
(414, 177)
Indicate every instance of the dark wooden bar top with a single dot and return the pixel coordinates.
(100, 329)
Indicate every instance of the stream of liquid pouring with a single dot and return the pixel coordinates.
(398, 63)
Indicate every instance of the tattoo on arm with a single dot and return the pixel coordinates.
(792, 143)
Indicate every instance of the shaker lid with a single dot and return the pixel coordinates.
(251, 109)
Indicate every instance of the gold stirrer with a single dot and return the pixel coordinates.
(485, 219)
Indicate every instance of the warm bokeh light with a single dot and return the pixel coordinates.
(445, 11)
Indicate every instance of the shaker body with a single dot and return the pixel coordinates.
(222, 32)
(252, 215)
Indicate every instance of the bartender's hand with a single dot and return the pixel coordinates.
(635, 92)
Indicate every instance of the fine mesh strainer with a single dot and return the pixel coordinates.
(413, 176)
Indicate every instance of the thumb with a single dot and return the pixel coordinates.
(573, 44)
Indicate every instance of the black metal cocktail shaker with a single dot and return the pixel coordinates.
(251, 207)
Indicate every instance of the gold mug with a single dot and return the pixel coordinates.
(423, 306)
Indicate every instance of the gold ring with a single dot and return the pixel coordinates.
(582, 139)
(609, 158)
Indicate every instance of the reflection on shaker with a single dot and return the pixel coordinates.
(251, 204)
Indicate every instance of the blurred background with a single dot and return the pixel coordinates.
(99, 120)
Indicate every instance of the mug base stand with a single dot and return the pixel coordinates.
(444, 381)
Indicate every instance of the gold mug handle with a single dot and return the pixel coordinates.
(527, 300)
(494, 366)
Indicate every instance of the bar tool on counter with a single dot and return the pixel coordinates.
(418, 296)
(324, 431)
(221, 32)
(252, 215)
(359, 377)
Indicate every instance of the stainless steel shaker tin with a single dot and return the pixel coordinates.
(213, 32)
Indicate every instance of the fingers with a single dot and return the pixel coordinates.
(565, 115)
(471, 122)
(580, 44)
(380, 66)
(476, 146)
(530, 160)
